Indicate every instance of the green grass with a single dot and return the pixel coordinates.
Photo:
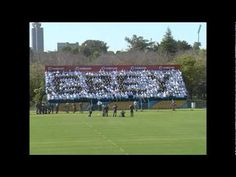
(149, 132)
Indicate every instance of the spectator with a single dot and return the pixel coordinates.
(118, 85)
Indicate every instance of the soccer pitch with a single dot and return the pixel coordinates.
(159, 132)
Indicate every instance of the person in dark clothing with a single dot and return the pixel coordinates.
(43, 108)
(114, 110)
(103, 110)
(51, 107)
(131, 107)
(173, 104)
(106, 110)
(74, 107)
(90, 109)
(57, 108)
(38, 108)
(122, 113)
(48, 109)
(81, 107)
(67, 107)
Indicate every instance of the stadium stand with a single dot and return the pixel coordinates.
(114, 83)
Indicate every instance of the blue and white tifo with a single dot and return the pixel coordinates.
(82, 83)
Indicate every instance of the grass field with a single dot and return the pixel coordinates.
(148, 132)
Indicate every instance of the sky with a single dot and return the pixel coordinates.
(114, 33)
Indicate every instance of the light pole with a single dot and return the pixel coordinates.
(198, 33)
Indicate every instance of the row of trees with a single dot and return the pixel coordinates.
(140, 52)
(193, 69)
(168, 45)
(90, 48)
(37, 82)
(95, 48)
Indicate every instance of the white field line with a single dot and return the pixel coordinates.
(132, 140)
(107, 139)
(58, 142)
(145, 139)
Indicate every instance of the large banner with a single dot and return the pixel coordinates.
(96, 68)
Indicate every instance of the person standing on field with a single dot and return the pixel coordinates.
(131, 107)
(122, 113)
(74, 107)
(99, 103)
(114, 110)
(90, 109)
(173, 104)
(136, 106)
(81, 107)
(38, 108)
(106, 110)
(57, 107)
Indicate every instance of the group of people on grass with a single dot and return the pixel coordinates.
(46, 108)
(105, 110)
(43, 108)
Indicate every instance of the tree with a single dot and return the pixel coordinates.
(194, 75)
(200, 90)
(155, 47)
(74, 48)
(31, 54)
(93, 48)
(196, 45)
(36, 81)
(67, 48)
(139, 43)
(39, 93)
(168, 44)
(183, 45)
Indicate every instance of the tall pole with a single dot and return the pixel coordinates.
(198, 36)
(198, 32)
(36, 38)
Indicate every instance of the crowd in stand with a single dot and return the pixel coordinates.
(72, 85)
